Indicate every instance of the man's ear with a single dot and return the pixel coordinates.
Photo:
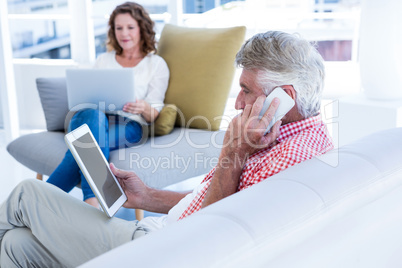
(290, 91)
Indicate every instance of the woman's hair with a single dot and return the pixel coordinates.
(148, 43)
(286, 59)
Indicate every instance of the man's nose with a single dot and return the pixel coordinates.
(239, 105)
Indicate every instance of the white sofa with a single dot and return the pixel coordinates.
(343, 209)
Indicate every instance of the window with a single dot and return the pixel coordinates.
(332, 24)
(39, 29)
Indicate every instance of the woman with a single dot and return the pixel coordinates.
(131, 44)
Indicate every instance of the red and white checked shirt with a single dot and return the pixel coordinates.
(298, 141)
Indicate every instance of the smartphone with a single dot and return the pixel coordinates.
(286, 103)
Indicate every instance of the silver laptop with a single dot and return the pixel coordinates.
(104, 89)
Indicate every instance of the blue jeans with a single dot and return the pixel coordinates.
(111, 132)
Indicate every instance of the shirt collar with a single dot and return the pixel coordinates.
(289, 130)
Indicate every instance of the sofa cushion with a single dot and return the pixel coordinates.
(165, 121)
(159, 162)
(201, 64)
(42, 152)
(53, 96)
(168, 159)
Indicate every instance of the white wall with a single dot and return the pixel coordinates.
(29, 107)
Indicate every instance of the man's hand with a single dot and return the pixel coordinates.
(133, 187)
(141, 196)
(245, 134)
(244, 137)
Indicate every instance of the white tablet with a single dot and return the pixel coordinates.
(96, 170)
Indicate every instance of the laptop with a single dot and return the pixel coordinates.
(103, 89)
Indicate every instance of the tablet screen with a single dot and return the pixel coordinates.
(97, 169)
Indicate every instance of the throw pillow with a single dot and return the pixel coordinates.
(165, 121)
(53, 96)
(201, 64)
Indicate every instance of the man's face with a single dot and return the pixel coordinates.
(250, 90)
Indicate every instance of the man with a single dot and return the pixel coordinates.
(52, 223)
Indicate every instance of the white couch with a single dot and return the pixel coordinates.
(343, 209)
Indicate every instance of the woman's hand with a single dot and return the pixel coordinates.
(137, 107)
(132, 186)
(143, 108)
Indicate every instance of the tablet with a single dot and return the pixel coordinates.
(96, 170)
